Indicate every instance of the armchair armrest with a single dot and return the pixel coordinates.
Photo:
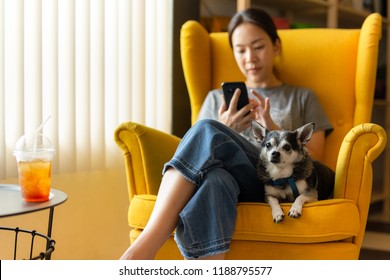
(360, 147)
(145, 150)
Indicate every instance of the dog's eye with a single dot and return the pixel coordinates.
(287, 147)
(268, 145)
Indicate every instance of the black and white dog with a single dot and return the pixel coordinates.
(287, 171)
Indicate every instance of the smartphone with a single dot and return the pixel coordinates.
(228, 90)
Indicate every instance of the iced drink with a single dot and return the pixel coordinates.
(34, 154)
(34, 180)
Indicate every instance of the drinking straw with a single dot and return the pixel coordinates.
(36, 133)
(42, 124)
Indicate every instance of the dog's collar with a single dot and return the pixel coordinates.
(286, 181)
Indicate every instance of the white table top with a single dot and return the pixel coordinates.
(12, 203)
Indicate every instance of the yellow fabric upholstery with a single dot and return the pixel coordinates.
(340, 66)
(144, 156)
(248, 213)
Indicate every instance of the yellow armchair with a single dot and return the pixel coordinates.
(340, 66)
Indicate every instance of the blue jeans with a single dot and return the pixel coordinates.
(222, 165)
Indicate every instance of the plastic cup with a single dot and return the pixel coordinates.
(34, 155)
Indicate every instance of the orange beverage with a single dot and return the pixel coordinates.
(34, 180)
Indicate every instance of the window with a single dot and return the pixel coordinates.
(90, 65)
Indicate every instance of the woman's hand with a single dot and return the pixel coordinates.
(316, 145)
(237, 120)
(262, 111)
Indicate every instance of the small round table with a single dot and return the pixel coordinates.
(12, 204)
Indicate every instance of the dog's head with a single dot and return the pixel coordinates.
(281, 147)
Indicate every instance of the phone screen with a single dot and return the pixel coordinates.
(229, 88)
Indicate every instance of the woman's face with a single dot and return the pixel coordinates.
(254, 53)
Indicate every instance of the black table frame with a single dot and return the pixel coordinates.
(12, 204)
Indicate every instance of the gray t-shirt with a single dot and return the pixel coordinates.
(291, 107)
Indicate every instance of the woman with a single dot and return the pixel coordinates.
(214, 166)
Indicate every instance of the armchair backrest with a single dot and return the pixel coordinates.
(339, 65)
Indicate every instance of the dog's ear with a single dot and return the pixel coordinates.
(259, 131)
(305, 132)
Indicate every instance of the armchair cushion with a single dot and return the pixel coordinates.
(321, 221)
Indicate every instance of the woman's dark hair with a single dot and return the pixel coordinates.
(257, 17)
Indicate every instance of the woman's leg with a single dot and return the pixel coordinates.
(208, 146)
(174, 193)
(207, 222)
(222, 166)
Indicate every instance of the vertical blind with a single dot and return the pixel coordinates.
(90, 65)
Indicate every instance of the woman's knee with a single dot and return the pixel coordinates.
(210, 124)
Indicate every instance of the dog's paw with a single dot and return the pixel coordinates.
(278, 216)
(295, 211)
(278, 219)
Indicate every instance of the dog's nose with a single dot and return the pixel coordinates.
(275, 157)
